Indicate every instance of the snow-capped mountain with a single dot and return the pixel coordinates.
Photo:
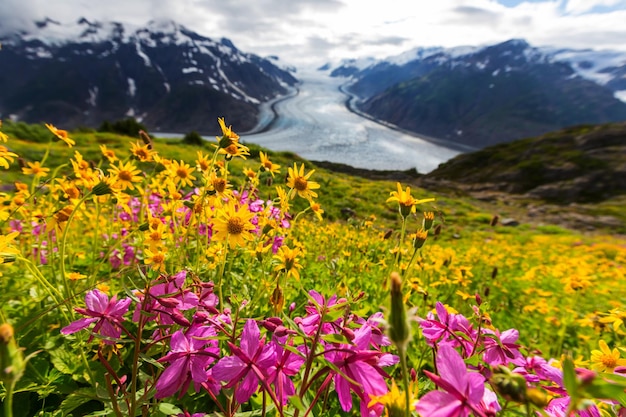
(165, 75)
(484, 95)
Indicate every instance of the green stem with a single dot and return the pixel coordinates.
(405, 379)
(66, 283)
(402, 232)
(8, 400)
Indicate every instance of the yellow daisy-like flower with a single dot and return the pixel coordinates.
(317, 209)
(300, 184)
(268, 165)
(3, 136)
(155, 258)
(233, 223)
(142, 152)
(605, 359)
(108, 153)
(124, 175)
(5, 246)
(6, 157)
(283, 199)
(235, 149)
(181, 173)
(227, 131)
(406, 201)
(288, 261)
(153, 237)
(61, 134)
(35, 169)
(75, 276)
(217, 185)
(394, 400)
(203, 163)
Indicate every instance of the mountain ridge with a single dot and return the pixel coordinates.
(163, 74)
(479, 96)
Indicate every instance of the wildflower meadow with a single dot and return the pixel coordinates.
(141, 277)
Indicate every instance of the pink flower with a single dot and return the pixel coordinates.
(462, 393)
(361, 366)
(245, 368)
(190, 356)
(286, 364)
(108, 316)
(501, 349)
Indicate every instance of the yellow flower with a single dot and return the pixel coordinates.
(75, 276)
(203, 163)
(406, 201)
(227, 131)
(217, 185)
(3, 136)
(394, 400)
(317, 209)
(181, 173)
(5, 242)
(268, 165)
(108, 153)
(233, 224)
(283, 199)
(300, 184)
(288, 261)
(124, 175)
(155, 258)
(605, 359)
(6, 157)
(142, 152)
(153, 238)
(61, 134)
(35, 168)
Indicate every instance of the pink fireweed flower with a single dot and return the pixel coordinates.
(444, 328)
(108, 316)
(190, 355)
(462, 393)
(286, 364)
(363, 368)
(245, 368)
(501, 349)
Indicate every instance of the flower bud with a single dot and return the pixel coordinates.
(420, 238)
(429, 219)
(399, 330)
(11, 358)
(101, 188)
(509, 385)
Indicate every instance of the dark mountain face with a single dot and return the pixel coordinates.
(166, 76)
(483, 96)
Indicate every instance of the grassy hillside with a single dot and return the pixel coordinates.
(197, 247)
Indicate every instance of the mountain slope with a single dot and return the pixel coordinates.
(166, 76)
(578, 164)
(482, 96)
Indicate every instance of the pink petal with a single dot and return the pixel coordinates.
(440, 404)
(452, 368)
(120, 308)
(227, 368)
(343, 392)
(247, 388)
(172, 378)
(250, 338)
(77, 325)
(96, 301)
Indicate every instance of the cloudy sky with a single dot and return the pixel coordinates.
(312, 32)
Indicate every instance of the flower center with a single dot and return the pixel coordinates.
(609, 361)
(158, 258)
(300, 184)
(268, 165)
(125, 175)
(219, 184)
(182, 173)
(235, 226)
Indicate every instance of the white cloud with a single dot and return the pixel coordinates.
(314, 31)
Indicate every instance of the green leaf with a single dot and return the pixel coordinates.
(295, 401)
(169, 409)
(335, 338)
(76, 399)
(65, 362)
(569, 378)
